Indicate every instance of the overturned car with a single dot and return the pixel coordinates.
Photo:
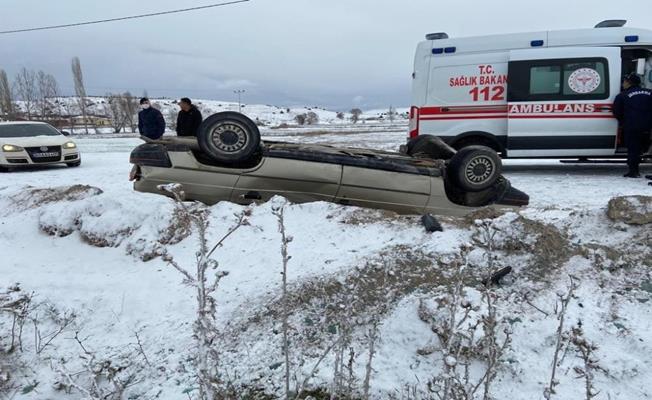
(228, 161)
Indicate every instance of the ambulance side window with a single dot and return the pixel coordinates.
(558, 80)
(544, 79)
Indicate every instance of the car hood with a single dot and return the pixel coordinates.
(34, 141)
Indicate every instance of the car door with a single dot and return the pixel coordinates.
(398, 191)
(560, 101)
(203, 182)
(298, 180)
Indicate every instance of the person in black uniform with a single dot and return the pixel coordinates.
(633, 109)
(189, 118)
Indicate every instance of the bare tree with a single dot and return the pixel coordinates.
(355, 114)
(171, 116)
(25, 85)
(204, 279)
(560, 339)
(129, 105)
(391, 113)
(301, 119)
(279, 212)
(340, 115)
(6, 96)
(312, 118)
(47, 89)
(80, 90)
(101, 377)
(115, 112)
(67, 109)
(586, 352)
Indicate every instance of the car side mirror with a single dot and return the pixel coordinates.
(65, 133)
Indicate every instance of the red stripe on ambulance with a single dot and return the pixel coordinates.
(517, 111)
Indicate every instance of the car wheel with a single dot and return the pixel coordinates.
(228, 137)
(3, 169)
(74, 164)
(430, 146)
(475, 168)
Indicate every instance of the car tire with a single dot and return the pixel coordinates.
(74, 164)
(228, 137)
(429, 146)
(3, 169)
(475, 168)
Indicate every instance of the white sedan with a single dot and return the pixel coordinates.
(35, 143)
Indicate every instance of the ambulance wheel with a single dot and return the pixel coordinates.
(228, 137)
(475, 168)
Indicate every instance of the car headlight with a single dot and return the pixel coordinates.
(9, 148)
(69, 145)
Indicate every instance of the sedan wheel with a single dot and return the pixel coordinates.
(475, 168)
(228, 137)
(479, 169)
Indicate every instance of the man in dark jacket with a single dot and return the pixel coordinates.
(633, 108)
(150, 120)
(189, 118)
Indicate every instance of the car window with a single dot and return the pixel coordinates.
(27, 130)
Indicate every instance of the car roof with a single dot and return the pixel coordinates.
(23, 123)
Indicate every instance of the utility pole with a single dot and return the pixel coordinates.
(239, 92)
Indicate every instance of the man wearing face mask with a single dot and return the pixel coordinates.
(150, 120)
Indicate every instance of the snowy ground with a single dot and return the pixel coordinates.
(85, 253)
(265, 115)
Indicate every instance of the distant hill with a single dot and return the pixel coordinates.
(264, 114)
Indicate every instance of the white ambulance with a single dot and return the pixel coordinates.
(539, 94)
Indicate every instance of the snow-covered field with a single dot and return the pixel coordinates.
(265, 115)
(93, 254)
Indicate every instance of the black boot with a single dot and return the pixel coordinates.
(632, 175)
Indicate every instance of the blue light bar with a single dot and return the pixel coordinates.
(536, 43)
(438, 50)
(631, 38)
(450, 50)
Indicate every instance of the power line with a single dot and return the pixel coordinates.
(101, 21)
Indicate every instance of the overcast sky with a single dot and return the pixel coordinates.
(334, 53)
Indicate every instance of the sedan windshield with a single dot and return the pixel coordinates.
(27, 130)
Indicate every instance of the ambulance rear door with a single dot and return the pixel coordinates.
(560, 101)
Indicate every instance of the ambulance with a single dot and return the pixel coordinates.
(529, 95)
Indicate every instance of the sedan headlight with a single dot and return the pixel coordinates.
(69, 145)
(10, 148)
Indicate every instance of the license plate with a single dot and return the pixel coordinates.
(47, 154)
